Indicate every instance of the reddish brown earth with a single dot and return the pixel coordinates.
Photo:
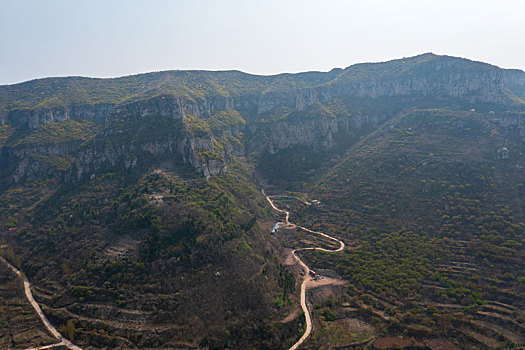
(394, 342)
(440, 344)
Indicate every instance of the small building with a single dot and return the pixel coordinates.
(503, 153)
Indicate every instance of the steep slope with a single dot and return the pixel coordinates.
(204, 114)
(134, 207)
(155, 260)
(515, 82)
(434, 202)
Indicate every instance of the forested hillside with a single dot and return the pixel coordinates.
(134, 207)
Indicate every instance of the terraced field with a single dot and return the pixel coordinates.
(434, 214)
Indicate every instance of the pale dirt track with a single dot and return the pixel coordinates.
(27, 288)
(307, 277)
(286, 224)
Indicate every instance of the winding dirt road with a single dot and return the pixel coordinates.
(307, 277)
(27, 288)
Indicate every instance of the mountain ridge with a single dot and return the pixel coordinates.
(426, 55)
(172, 82)
(209, 113)
(135, 207)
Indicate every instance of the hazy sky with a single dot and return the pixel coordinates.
(106, 38)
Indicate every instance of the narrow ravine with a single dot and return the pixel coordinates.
(27, 288)
(306, 269)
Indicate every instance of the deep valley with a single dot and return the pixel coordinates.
(135, 207)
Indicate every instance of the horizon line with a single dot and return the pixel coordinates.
(245, 72)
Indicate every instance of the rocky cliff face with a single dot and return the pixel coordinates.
(512, 122)
(316, 110)
(165, 106)
(515, 82)
(317, 133)
(34, 118)
(445, 77)
(126, 140)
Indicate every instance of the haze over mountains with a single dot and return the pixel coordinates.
(133, 205)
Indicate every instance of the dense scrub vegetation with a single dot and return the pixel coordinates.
(60, 132)
(433, 209)
(134, 206)
(164, 240)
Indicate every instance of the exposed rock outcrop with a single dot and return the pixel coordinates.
(316, 110)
